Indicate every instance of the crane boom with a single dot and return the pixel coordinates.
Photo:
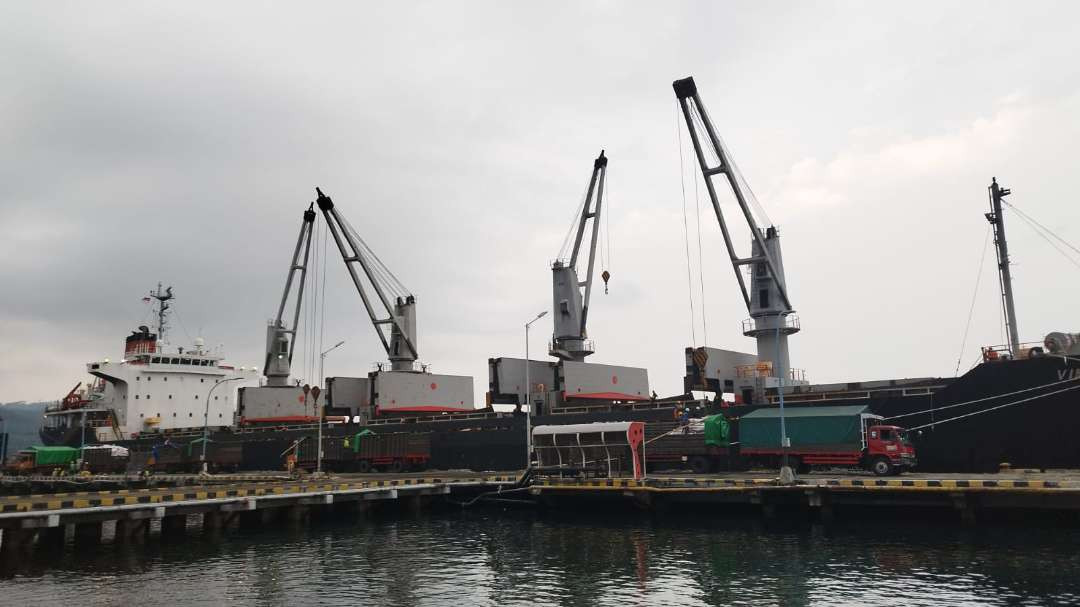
(571, 306)
(772, 318)
(277, 365)
(400, 345)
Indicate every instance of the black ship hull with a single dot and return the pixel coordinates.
(1021, 412)
(472, 444)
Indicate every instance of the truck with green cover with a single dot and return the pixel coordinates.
(845, 436)
(836, 436)
(42, 459)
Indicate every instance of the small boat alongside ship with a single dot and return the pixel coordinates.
(1017, 406)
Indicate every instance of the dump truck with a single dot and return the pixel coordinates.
(40, 459)
(847, 436)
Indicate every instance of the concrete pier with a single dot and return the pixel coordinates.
(820, 497)
(41, 520)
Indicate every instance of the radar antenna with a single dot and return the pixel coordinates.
(163, 298)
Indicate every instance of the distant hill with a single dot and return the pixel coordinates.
(21, 422)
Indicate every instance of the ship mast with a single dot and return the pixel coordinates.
(162, 297)
(997, 219)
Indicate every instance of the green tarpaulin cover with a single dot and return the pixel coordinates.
(717, 431)
(836, 426)
(356, 439)
(54, 456)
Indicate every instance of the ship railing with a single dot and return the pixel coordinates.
(997, 352)
(587, 345)
(791, 324)
(765, 369)
(415, 365)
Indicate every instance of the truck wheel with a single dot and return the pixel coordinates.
(363, 466)
(699, 464)
(881, 466)
(395, 466)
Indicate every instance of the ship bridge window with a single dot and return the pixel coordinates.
(284, 347)
(155, 359)
(176, 361)
(185, 361)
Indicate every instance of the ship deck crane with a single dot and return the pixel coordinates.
(570, 293)
(404, 388)
(279, 337)
(400, 314)
(772, 318)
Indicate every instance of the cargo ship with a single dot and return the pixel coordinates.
(1017, 406)
(154, 388)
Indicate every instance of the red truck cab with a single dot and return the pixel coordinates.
(888, 450)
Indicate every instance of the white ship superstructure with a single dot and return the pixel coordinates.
(155, 387)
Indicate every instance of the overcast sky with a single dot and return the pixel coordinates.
(180, 142)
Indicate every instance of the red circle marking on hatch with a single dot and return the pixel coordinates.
(614, 379)
(300, 399)
(434, 385)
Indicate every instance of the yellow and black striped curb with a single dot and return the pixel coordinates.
(123, 497)
(673, 484)
(627, 483)
(945, 484)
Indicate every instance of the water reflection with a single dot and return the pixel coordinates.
(518, 558)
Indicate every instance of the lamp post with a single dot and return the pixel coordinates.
(785, 470)
(528, 395)
(206, 417)
(322, 361)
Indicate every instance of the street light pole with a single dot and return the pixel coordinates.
(206, 418)
(528, 395)
(785, 470)
(322, 361)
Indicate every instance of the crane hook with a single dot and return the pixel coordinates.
(605, 275)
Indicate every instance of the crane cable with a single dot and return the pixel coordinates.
(322, 313)
(1018, 402)
(569, 238)
(974, 295)
(686, 230)
(701, 263)
(993, 397)
(1040, 229)
(759, 210)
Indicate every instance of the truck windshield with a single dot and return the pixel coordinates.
(901, 436)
